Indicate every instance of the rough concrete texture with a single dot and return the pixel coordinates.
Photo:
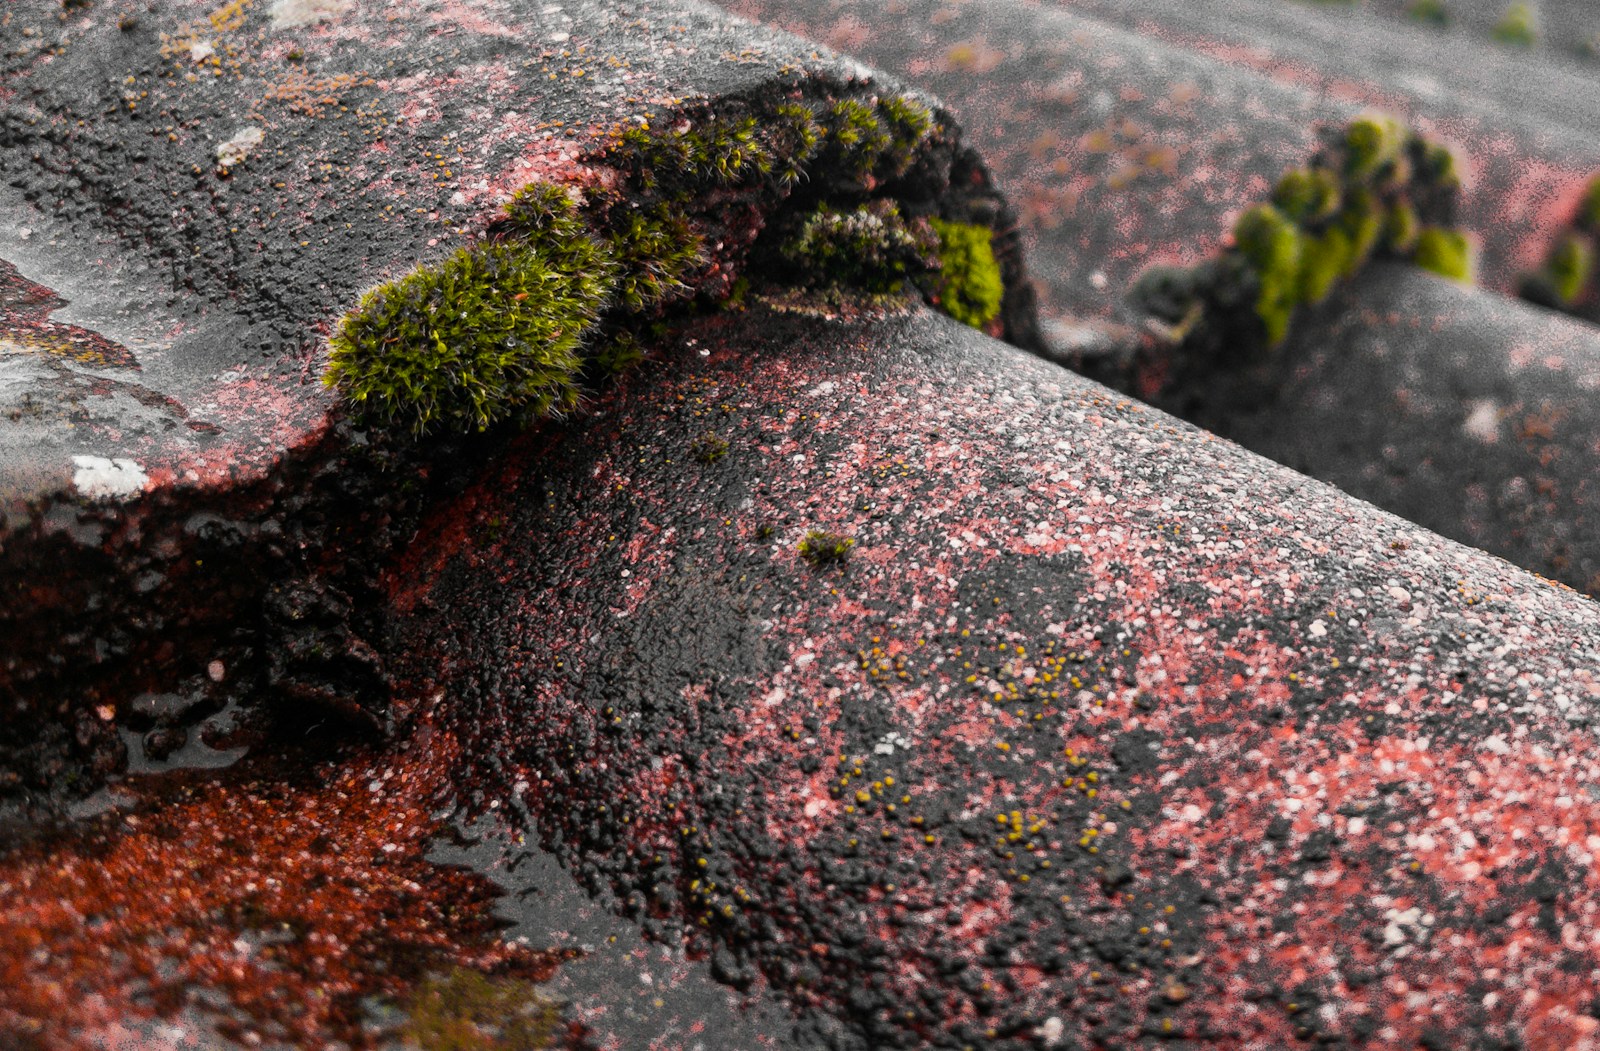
(1130, 135)
(1179, 745)
(1095, 731)
(1104, 731)
(193, 197)
(1469, 414)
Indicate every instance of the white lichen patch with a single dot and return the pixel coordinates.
(97, 477)
(289, 14)
(240, 146)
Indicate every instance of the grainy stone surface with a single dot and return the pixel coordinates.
(1102, 732)
(263, 167)
(1469, 414)
(1105, 731)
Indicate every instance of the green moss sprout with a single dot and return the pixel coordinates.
(796, 136)
(1429, 12)
(1516, 27)
(822, 548)
(1362, 222)
(654, 251)
(1324, 259)
(909, 123)
(870, 249)
(1370, 144)
(1307, 195)
(1273, 247)
(860, 139)
(709, 447)
(1571, 266)
(491, 333)
(615, 351)
(1589, 209)
(548, 209)
(1445, 252)
(1438, 167)
(1568, 271)
(1400, 228)
(970, 287)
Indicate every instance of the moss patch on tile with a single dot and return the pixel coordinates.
(839, 195)
(1374, 188)
(970, 287)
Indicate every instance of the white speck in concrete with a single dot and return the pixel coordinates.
(1483, 420)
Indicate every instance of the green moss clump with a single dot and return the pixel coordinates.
(1429, 12)
(492, 332)
(1273, 246)
(508, 328)
(822, 548)
(1307, 195)
(872, 139)
(1445, 252)
(1567, 277)
(970, 287)
(1371, 143)
(1570, 267)
(1589, 210)
(1324, 259)
(1400, 228)
(468, 1011)
(716, 150)
(654, 251)
(1372, 187)
(1516, 27)
(871, 249)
